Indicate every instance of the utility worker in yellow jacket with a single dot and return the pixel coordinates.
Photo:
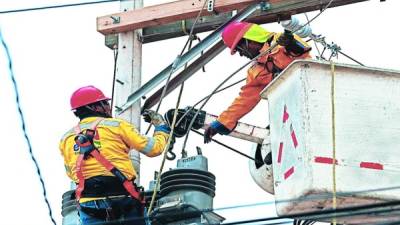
(250, 40)
(96, 158)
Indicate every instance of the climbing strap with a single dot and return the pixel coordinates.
(87, 148)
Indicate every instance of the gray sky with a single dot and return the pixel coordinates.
(56, 51)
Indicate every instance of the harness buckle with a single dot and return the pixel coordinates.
(85, 143)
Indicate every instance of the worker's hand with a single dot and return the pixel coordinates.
(209, 133)
(286, 38)
(153, 117)
(214, 128)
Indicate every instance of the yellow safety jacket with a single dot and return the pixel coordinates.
(114, 139)
(259, 75)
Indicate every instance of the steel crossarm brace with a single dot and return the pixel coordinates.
(185, 58)
(185, 74)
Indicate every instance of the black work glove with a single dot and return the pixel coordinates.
(153, 117)
(209, 133)
(214, 128)
(293, 46)
(286, 39)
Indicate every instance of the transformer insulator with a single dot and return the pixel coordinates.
(187, 180)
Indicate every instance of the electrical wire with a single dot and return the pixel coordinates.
(201, 100)
(56, 6)
(189, 39)
(230, 148)
(309, 217)
(21, 115)
(114, 77)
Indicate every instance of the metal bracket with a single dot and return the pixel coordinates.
(264, 6)
(210, 6)
(116, 19)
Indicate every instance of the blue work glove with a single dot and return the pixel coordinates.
(214, 128)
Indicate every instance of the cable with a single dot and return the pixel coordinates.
(114, 76)
(201, 100)
(56, 6)
(309, 217)
(315, 43)
(320, 214)
(230, 148)
(21, 115)
(171, 133)
(173, 67)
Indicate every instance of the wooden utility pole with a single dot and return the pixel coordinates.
(128, 74)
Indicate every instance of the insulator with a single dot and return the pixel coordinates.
(304, 32)
(291, 24)
(294, 25)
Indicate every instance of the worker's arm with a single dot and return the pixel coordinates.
(150, 146)
(67, 157)
(249, 96)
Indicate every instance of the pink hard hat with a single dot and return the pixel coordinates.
(86, 95)
(232, 34)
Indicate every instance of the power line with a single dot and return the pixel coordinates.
(56, 6)
(11, 72)
(310, 216)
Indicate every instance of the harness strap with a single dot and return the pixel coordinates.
(110, 167)
(128, 185)
(80, 162)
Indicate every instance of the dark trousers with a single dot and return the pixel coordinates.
(112, 211)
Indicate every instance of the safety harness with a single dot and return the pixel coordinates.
(84, 139)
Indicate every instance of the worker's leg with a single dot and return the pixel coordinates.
(93, 212)
(131, 211)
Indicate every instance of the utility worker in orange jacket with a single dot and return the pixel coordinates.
(250, 40)
(96, 158)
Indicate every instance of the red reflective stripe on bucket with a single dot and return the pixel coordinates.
(280, 152)
(294, 139)
(325, 160)
(371, 165)
(285, 115)
(289, 172)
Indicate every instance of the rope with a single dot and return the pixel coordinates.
(334, 204)
(177, 60)
(171, 133)
(21, 115)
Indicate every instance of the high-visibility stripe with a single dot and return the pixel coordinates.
(110, 123)
(149, 146)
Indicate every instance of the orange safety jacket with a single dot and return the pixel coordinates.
(259, 75)
(114, 138)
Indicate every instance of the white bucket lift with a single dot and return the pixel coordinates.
(367, 143)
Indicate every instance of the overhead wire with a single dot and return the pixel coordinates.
(173, 67)
(170, 138)
(56, 6)
(230, 148)
(114, 77)
(21, 115)
(310, 216)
